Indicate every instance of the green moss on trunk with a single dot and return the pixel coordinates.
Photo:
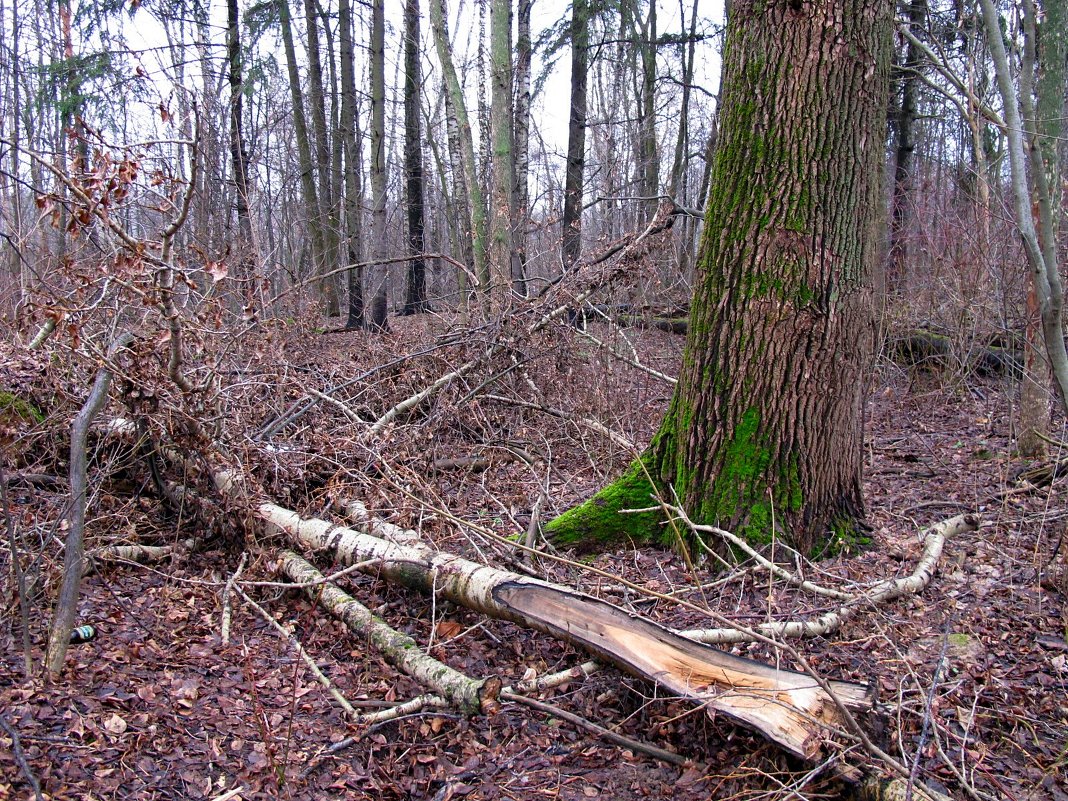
(597, 524)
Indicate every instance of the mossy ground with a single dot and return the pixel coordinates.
(11, 403)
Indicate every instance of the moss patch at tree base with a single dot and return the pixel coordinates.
(597, 524)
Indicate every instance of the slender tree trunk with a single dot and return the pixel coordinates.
(461, 219)
(304, 150)
(455, 101)
(238, 152)
(324, 194)
(764, 433)
(682, 141)
(521, 191)
(501, 124)
(352, 170)
(379, 272)
(649, 166)
(571, 242)
(1044, 125)
(415, 302)
(1040, 249)
(901, 202)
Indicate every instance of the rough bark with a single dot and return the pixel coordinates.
(764, 432)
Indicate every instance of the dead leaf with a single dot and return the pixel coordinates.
(115, 724)
(447, 629)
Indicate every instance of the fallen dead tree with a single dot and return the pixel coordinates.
(467, 694)
(789, 708)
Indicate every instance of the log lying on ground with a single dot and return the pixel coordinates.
(882, 592)
(931, 350)
(469, 695)
(788, 708)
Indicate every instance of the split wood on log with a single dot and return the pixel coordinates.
(787, 707)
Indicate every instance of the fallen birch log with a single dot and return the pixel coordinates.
(882, 592)
(471, 696)
(788, 708)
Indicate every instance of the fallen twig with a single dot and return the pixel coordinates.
(20, 758)
(605, 734)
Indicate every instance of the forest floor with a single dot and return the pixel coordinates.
(971, 673)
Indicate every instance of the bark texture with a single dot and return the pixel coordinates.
(764, 432)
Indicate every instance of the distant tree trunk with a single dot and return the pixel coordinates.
(520, 191)
(415, 302)
(649, 159)
(461, 220)
(764, 434)
(15, 200)
(676, 188)
(325, 194)
(304, 151)
(238, 151)
(378, 273)
(477, 204)
(904, 146)
(571, 242)
(485, 126)
(501, 124)
(352, 170)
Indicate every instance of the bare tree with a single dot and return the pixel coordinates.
(378, 274)
(571, 241)
(416, 301)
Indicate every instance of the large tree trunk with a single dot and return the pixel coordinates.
(571, 241)
(764, 432)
